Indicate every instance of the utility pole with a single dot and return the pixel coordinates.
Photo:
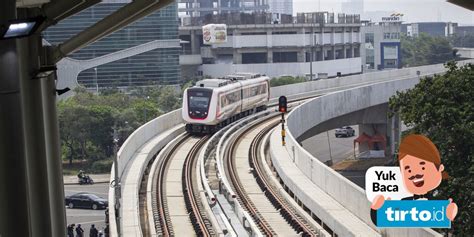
(145, 110)
(116, 182)
(330, 152)
(312, 51)
(96, 82)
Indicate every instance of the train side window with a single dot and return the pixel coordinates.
(262, 89)
(247, 92)
(223, 100)
(254, 91)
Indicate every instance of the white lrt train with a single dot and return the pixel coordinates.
(214, 103)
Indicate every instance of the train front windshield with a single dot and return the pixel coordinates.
(198, 102)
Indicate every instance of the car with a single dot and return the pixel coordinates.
(345, 131)
(86, 200)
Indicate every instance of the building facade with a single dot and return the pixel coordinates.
(381, 45)
(464, 30)
(314, 42)
(281, 6)
(439, 29)
(158, 66)
(197, 8)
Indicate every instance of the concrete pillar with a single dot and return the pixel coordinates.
(394, 131)
(53, 154)
(333, 52)
(323, 53)
(301, 55)
(237, 56)
(35, 146)
(269, 55)
(194, 43)
(14, 216)
(371, 129)
(333, 36)
(344, 48)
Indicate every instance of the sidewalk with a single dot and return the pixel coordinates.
(98, 178)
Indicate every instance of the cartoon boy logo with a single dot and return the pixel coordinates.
(422, 172)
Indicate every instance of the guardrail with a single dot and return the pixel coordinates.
(324, 177)
(134, 142)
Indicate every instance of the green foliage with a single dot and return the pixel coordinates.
(87, 121)
(101, 166)
(286, 80)
(442, 108)
(425, 49)
(466, 41)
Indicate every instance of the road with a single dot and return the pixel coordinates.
(87, 217)
(341, 148)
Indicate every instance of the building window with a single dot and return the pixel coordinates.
(285, 57)
(369, 38)
(386, 35)
(249, 58)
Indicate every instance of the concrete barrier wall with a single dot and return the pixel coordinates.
(346, 81)
(126, 153)
(331, 67)
(167, 121)
(145, 133)
(337, 104)
(330, 106)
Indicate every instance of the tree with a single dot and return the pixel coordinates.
(425, 49)
(442, 108)
(87, 120)
(169, 99)
(464, 40)
(286, 80)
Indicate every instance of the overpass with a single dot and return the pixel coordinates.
(316, 187)
(465, 52)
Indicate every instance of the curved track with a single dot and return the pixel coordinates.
(272, 214)
(177, 209)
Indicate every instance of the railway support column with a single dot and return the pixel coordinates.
(13, 173)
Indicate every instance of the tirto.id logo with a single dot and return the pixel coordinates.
(414, 214)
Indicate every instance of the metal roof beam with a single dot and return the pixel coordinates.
(58, 10)
(468, 4)
(113, 22)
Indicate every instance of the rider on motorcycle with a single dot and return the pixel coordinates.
(81, 174)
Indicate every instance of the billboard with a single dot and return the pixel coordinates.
(214, 33)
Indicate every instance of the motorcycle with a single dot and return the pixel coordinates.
(86, 179)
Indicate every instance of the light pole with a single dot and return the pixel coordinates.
(96, 82)
(311, 55)
(116, 182)
(329, 144)
(144, 109)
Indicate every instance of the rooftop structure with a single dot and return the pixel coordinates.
(274, 48)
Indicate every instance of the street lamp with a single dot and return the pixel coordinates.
(329, 144)
(20, 28)
(96, 83)
(146, 99)
(116, 182)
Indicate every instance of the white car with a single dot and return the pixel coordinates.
(345, 132)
